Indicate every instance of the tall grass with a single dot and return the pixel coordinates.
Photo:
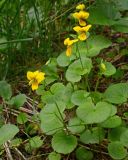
(30, 33)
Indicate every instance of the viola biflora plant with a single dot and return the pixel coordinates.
(76, 114)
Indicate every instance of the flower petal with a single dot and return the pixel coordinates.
(66, 41)
(40, 77)
(34, 86)
(86, 28)
(80, 7)
(82, 36)
(77, 28)
(82, 22)
(30, 75)
(69, 51)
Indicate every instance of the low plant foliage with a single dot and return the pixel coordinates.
(75, 114)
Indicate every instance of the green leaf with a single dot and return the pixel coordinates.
(54, 156)
(77, 69)
(35, 142)
(106, 15)
(5, 90)
(51, 120)
(75, 125)
(63, 60)
(124, 138)
(112, 122)
(55, 94)
(83, 154)
(22, 118)
(47, 97)
(110, 69)
(117, 150)
(117, 93)
(121, 5)
(121, 25)
(94, 114)
(79, 97)
(18, 101)
(64, 143)
(7, 132)
(15, 142)
(93, 136)
(115, 133)
(94, 45)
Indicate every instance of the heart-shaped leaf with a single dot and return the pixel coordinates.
(94, 114)
(77, 69)
(117, 93)
(92, 136)
(51, 117)
(64, 143)
(116, 150)
(7, 132)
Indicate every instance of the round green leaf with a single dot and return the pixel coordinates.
(92, 136)
(75, 125)
(83, 154)
(112, 122)
(93, 46)
(121, 25)
(115, 133)
(51, 118)
(35, 142)
(64, 143)
(106, 15)
(117, 150)
(76, 69)
(124, 138)
(54, 156)
(18, 101)
(79, 97)
(110, 69)
(117, 93)
(94, 114)
(7, 132)
(22, 118)
(63, 60)
(5, 90)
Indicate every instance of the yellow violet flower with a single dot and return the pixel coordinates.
(80, 7)
(69, 44)
(81, 16)
(82, 31)
(35, 78)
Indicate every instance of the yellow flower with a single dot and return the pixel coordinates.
(69, 44)
(103, 67)
(35, 78)
(80, 7)
(81, 16)
(82, 31)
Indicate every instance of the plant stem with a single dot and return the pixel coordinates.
(97, 83)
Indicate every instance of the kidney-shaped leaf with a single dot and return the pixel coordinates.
(64, 143)
(7, 132)
(77, 69)
(94, 114)
(18, 100)
(117, 93)
(116, 150)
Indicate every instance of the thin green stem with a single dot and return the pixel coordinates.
(97, 83)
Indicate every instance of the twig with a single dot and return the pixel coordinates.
(17, 150)
(9, 156)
